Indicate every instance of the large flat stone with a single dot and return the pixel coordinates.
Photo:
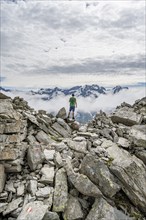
(13, 206)
(8, 154)
(57, 127)
(73, 210)
(34, 156)
(126, 117)
(131, 173)
(138, 133)
(33, 211)
(61, 191)
(100, 175)
(48, 174)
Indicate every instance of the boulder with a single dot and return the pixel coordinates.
(47, 174)
(102, 210)
(13, 205)
(34, 156)
(63, 132)
(81, 182)
(32, 187)
(126, 117)
(49, 154)
(64, 125)
(73, 210)
(138, 133)
(131, 173)
(33, 210)
(78, 146)
(62, 113)
(44, 138)
(123, 142)
(99, 174)
(8, 154)
(51, 216)
(141, 154)
(44, 192)
(60, 191)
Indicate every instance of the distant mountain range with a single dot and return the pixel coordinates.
(79, 91)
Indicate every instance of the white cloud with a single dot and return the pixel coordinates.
(107, 103)
(37, 35)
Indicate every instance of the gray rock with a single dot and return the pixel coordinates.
(13, 205)
(141, 154)
(10, 187)
(138, 133)
(60, 191)
(20, 190)
(8, 154)
(73, 210)
(64, 125)
(132, 174)
(33, 210)
(2, 178)
(42, 137)
(102, 210)
(31, 118)
(51, 216)
(78, 146)
(60, 146)
(99, 174)
(3, 206)
(57, 127)
(78, 138)
(123, 142)
(32, 187)
(81, 182)
(58, 160)
(126, 117)
(34, 156)
(47, 174)
(44, 192)
(62, 113)
(49, 154)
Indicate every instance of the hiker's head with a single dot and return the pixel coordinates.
(73, 95)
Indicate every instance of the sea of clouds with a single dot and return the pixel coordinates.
(106, 103)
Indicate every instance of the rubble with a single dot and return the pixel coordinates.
(52, 168)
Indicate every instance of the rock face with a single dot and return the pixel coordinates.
(51, 169)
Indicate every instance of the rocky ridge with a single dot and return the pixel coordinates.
(52, 168)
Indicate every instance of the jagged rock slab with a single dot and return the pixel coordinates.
(81, 182)
(138, 133)
(6, 109)
(51, 216)
(2, 177)
(62, 113)
(33, 210)
(49, 154)
(123, 142)
(100, 175)
(13, 206)
(3, 206)
(78, 146)
(102, 210)
(64, 125)
(42, 137)
(44, 192)
(48, 174)
(126, 117)
(132, 174)
(34, 156)
(60, 191)
(57, 127)
(32, 187)
(73, 210)
(141, 154)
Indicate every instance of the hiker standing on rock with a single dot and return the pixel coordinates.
(73, 104)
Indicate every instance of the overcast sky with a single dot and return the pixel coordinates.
(67, 43)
